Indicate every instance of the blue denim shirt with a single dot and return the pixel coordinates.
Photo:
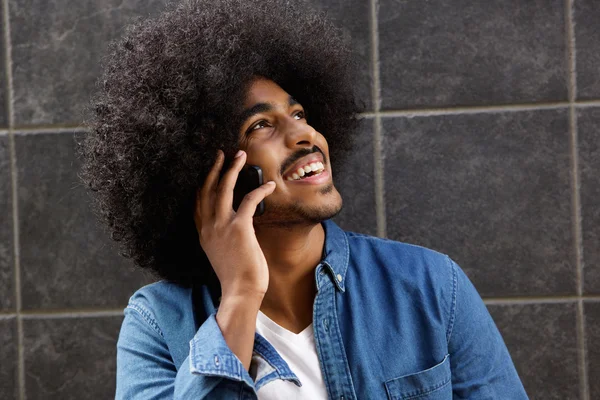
(391, 321)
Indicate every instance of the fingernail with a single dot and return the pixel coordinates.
(272, 183)
(239, 153)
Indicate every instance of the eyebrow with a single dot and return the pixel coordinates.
(262, 107)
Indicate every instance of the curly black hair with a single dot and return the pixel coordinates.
(166, 101)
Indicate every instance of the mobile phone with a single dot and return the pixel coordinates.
(250, 178)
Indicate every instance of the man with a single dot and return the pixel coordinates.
(282, 305)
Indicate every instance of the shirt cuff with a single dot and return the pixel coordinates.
(210, 355)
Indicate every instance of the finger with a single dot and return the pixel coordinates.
(205, 200)
(248, 206)
(224, 199)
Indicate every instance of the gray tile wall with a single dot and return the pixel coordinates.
(480, 140)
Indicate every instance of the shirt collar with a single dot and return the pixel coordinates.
(336, 253)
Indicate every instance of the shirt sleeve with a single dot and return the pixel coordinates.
(145, 369)
(481, 365)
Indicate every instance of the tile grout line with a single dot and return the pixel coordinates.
(572, 92)
(576, 202)
(377, 131)
(55, 130)
(15, 205)
(492, 108)
(427, 112)
(71, 313)
(423, 112)
(587, 103)
(539, 299)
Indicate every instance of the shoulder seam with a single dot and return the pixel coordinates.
(145, 314)
(453, 300)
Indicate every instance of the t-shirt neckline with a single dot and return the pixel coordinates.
(268, 323)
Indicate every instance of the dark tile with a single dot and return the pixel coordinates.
(7, 290)
(355, 182)
(354, 16)
(587, 43)
(72, 358)
(56, 51)
(3, 83)
(589, 165)
(542, 341)
(490, 190)
(462, 52)
(592, 344)
(8, 355)
(67, 260)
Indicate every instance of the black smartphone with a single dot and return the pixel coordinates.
(250, 178)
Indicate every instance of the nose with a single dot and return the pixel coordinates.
(299, 133)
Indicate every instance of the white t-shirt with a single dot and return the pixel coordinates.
(300, 353)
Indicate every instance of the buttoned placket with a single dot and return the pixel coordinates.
(328, 338)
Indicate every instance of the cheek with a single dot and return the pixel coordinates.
(324, 146)
(265, 158)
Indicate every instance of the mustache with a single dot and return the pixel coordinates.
(298, 155)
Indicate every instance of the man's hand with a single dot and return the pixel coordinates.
(227, 237)
(229, 241)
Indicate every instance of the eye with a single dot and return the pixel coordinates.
(258, 125)
(300, 115)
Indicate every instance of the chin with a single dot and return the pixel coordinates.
(319, 214)
(300, 213)
(329, 206)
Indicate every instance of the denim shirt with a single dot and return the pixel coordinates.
(391, 321)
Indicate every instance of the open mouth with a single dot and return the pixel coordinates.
(306, 171)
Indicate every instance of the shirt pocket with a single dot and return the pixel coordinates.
(430, 384)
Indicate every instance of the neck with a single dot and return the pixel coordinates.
(292, 255)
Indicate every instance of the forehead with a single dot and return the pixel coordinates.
(265, 91)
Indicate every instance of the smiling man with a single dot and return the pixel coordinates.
(284, 305)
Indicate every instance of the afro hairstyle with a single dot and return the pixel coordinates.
(165, 103)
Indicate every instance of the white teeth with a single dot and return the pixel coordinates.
(300, 172)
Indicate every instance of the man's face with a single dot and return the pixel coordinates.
(277, 137)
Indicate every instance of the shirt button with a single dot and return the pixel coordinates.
(217, 361)
(326, 324)
(339, 277)
(322, 271)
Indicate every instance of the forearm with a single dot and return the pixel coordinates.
(236, 318)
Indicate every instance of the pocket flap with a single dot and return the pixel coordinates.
(420, 383)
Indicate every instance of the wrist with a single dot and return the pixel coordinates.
(243, 292)
(246, 299)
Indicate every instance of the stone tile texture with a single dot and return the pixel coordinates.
(353, 17)
(57, 47)
(67, 259)
(592, 343)
(490, 190)
(8, 355)
(355, 182)
(589, 166)
(3, 82)
(449, 53)
(73, 358)
(587, 43)
(7, 290)
(542, 341)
